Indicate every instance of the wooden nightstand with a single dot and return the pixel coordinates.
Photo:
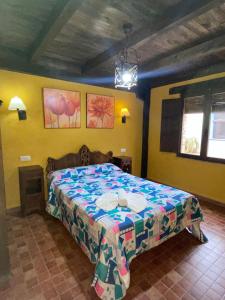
(31, 181)
(124, 163)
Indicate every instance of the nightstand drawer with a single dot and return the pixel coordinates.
(31, 189)
(33, 202)
(126, 167)
(124, 163)
(33, 185)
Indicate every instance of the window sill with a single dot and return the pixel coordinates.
(219, 140)
(208, 159)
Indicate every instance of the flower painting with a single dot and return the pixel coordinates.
(61, 108)
(100, 111)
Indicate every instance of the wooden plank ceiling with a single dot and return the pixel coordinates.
(79, 39)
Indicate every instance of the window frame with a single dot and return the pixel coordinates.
(207, 92)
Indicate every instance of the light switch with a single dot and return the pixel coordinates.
(25, 158)
(123, 150)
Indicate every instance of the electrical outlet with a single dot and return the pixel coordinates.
(123, 150)
(25, 158)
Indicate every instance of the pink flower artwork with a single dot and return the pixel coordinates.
(100, 111)
(61, 108)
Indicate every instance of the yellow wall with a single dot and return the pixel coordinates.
(30, 138)
(202, 178)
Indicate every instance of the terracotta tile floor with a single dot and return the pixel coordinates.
(47, 264)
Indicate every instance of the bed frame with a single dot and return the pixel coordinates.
(84, 157)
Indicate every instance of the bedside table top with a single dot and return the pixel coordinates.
(30, 168)
(123, 157)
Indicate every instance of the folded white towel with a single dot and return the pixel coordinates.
(111, 200)
(135, 202)
(122, 196)
(107, 201)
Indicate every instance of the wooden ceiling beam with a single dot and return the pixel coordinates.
(204, 70)
(171, 18)
(61, 14)
(151, 63)
(195, 55)
(15, 60)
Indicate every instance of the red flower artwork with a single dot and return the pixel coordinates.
(100, 111)
(61, 108)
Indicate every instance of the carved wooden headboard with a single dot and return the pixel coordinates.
(84, 157)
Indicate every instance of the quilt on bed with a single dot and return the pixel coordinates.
(112, 239)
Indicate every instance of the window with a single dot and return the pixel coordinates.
(192, 125)
(203, 127)
(216, 140)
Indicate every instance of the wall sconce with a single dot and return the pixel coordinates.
(124, 114)
(17, 104)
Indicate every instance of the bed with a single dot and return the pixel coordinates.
(113, 239)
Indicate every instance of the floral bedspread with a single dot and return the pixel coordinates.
(112, 239)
